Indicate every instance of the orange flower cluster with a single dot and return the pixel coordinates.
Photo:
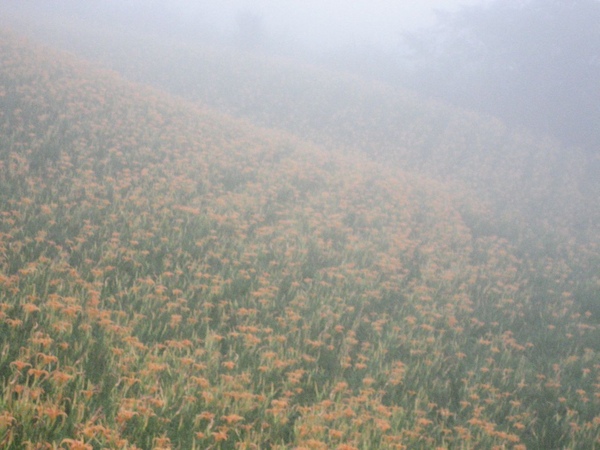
(173, 278)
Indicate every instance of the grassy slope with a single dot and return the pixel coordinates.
(533, 185)
(172, 276)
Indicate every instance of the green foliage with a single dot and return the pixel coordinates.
(171, 278)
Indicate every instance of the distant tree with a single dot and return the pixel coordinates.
(532, 62)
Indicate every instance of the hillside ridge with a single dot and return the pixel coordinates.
(526, 178)
(173, 278)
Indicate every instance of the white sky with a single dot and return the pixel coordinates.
(316, 22)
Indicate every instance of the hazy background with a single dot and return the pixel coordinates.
(533, 63)
(313, 24)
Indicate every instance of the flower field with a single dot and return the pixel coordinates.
(530, 182)
(171, 277)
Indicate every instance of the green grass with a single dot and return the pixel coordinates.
(174, 278)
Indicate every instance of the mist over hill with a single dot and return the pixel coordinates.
(531, 63)
(526, 177)
(209, 247)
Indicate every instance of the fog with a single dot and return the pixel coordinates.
(532, 63)
(299, 224)
(320, 25)
(315, 26)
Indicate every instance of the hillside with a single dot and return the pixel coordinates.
(171, 277)
(534, 187)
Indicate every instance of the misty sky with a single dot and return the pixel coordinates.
(316, 24)
(329, 23)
